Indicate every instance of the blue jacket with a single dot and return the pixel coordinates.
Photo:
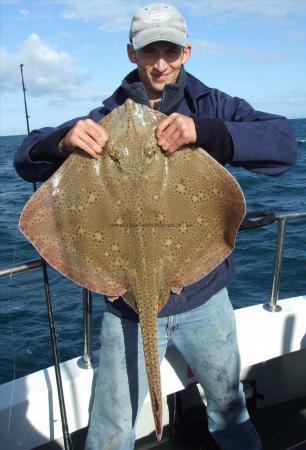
(262, 143)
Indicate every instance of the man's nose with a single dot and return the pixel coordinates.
(160, 64)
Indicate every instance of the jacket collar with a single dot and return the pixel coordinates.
(194, 89)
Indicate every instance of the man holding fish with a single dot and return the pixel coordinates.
(199, 320)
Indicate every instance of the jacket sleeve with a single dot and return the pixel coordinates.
(262, 142)
(38, 157)
(213, 136)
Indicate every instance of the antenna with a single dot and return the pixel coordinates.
(25, 99)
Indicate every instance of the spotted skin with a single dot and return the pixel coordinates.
(136, 223)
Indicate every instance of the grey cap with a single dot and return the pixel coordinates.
(158, 22)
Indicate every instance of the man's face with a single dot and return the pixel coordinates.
(158, 64)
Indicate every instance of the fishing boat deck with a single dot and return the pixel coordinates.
(280, 426)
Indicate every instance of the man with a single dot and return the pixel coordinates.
(199, 321)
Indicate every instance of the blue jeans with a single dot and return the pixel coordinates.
(206, 337)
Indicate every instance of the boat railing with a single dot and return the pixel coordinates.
(282, 220)
(252, 220)
(87, 360)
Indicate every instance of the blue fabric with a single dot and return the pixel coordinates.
(262, 143)
(213, 356)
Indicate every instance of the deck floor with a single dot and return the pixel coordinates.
(280, 428)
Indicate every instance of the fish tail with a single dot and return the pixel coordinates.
(150, 346)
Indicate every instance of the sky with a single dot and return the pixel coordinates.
(74, 54)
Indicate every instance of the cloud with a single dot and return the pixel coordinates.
(64, 34)
(23, 13)
(227, 9)
(297, 35)
(118, 17)
(204, 48)
(111, 17)
(49, 73)
(291, 105)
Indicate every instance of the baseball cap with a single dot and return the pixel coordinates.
(158, 22)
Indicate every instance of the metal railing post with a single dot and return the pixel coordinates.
(272, 306)
(87, 361)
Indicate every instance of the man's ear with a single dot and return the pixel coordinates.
(186, 53)
(131, 54)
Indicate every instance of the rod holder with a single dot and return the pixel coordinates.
(87, 361)
(272, 306)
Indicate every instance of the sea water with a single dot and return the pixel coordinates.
(24, 332)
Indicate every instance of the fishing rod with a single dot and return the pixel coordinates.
(54, 346)
(25, 99)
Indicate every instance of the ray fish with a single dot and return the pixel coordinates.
(136, 223)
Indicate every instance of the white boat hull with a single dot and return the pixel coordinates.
(29, 408)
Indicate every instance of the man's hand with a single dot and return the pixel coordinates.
(174, 132)
(86, 135)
